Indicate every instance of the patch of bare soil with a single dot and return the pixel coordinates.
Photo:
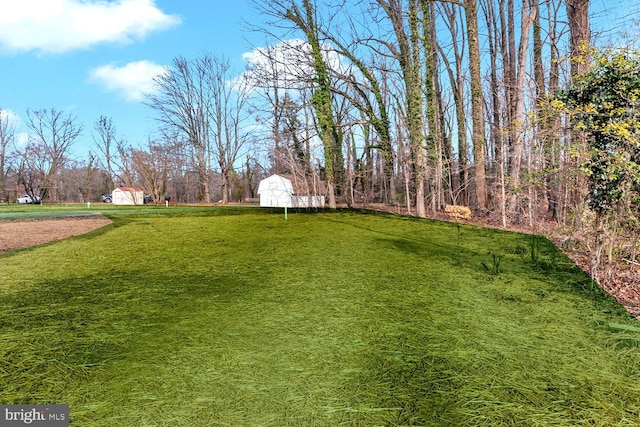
(622, 282)
(23, 234)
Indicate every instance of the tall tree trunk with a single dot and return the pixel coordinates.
(497, 89)
(507, 49)
(529, 12)
(542, 135)
(414, 110)
(579, 34)
(433, 139)
(477, 115)
(408, 55)
(330, 135)
(551, 149)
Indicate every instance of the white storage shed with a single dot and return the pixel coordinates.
(275, 191)
(127, 196)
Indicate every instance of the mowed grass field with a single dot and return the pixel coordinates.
(236, 317)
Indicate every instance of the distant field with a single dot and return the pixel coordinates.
(238, 317)
(16, 211)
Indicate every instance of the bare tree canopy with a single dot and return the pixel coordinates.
(7, 138)
(201, 101)
(52, 134)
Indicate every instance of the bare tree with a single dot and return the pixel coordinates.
(438, 152)
(550, 128)
(229, 116)
(477, 114)
(184, 104)
(180, 183)
(303, 17)
(406, 50)
(202, 101)
(282, 74)
(455, 71)
(516, 127)
(52, 133)
(109, 146)
(151, 164)
(7, 138)
(82, 181)
(113, 155)
(365, 92)
(270, 74)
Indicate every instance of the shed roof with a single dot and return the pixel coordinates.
(130, 189)
(275, 182)
(302, 185)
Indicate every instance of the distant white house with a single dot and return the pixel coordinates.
(275, 191)
(127, 196)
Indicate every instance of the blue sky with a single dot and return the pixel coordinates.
(92, 58)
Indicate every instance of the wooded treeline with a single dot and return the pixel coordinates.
(410, 103)
(436, 102)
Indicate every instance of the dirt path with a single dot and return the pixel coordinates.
(23, 234)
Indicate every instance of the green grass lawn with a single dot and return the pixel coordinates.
(236, 317)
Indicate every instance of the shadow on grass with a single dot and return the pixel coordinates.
(182, 212)
(58, 332)
(478, 248)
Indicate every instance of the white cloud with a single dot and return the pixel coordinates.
(133, 80)
(15, 125)
(12, 118)
(55, 26)
(289, 62)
